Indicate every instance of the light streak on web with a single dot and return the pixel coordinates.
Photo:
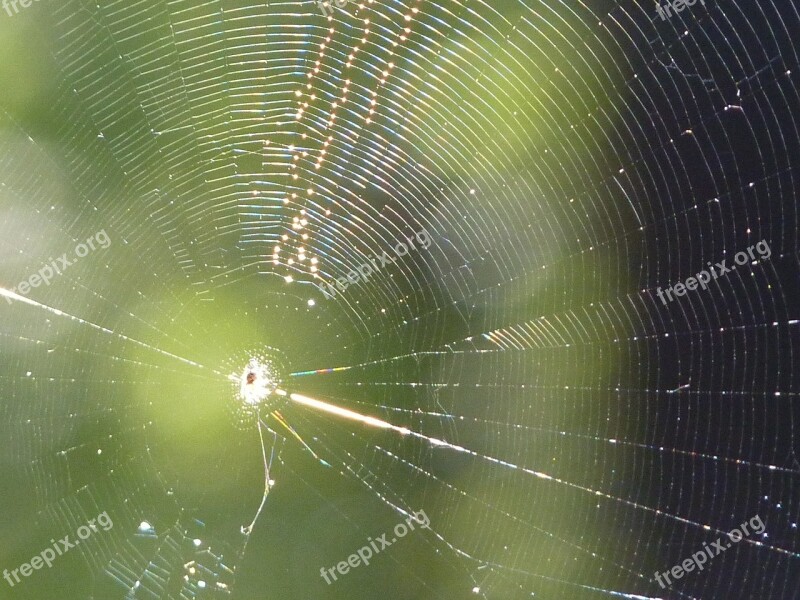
(568, 159)
(370, 421)
(60, 313)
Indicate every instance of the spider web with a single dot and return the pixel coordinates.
(567, 159)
